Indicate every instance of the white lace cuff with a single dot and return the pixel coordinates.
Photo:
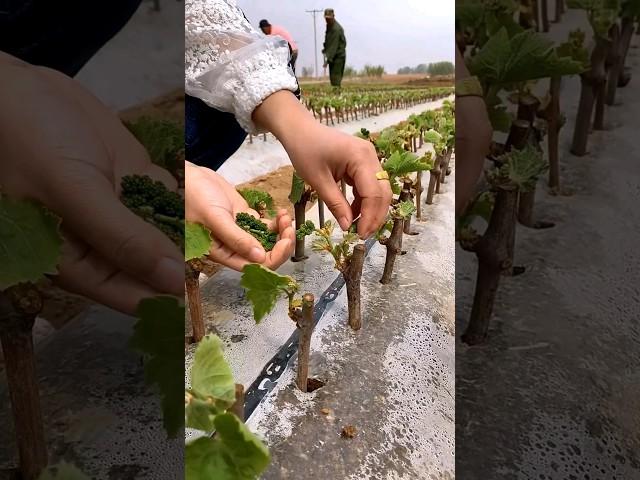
(240, 80)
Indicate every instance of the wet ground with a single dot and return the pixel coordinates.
(575, 305)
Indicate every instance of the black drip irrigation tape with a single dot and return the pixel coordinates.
(275, 367)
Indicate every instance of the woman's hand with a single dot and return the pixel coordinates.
(322, 156)
(63, 148)
(213, 202)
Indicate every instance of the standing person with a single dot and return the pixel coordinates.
(269, 29)
(335, 48)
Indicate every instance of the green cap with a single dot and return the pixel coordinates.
(328, 13)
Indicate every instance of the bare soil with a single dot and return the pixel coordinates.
(278, 184)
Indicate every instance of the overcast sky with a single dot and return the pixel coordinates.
(393, 33)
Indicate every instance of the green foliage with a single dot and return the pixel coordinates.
(526, 56)
(404, 163)
(384, 228)
(373, 71)
(602, 14)
(436, 68)
(480, 19)
(162, 139)
(30, 242)
(258, 200)
(341, 251)
(575, 49)
(297, 188)
(197, 241)
(159, 335)
(388, 142)
(212, 389)
(307, 228)
(481, 206)
(519, 169)
(403, 210)
(233, 454)
(264, 287)
(364, 134)
(62, 471)
(630, 9)
(258, 230)
(401, 164)
(154, 203)
(440, 68)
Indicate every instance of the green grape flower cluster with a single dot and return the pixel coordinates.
(258, 229)
(153, 202)
(307, 228)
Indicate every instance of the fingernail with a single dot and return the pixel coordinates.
(257, 255)
(344, 223)
(168, 276)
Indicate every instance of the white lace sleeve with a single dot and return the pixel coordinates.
(230, 65)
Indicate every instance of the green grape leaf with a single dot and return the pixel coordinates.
(258, 200)
(30, 242)
(525, 56)
(197, 241)
(297, 188)
(211, 376)
(264, 287)
(404, 209)
(199, 413)
(574, 48)
(481, 206)
(403, 163)
(159, 335)
(432, 137)
(62, 471)
(233, 454)
(602, 14)
(212, 388)
(519, 168)
(499, 117)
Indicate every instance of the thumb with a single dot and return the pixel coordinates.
(333, 198)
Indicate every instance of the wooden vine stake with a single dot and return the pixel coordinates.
(19, 306)
(304, 321)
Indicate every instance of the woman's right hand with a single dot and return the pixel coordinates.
(213, 202)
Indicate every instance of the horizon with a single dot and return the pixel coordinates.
(427, 26)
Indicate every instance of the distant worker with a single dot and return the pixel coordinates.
(335, 48)
(269, 29)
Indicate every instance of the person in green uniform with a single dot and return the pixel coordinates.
(335, 48)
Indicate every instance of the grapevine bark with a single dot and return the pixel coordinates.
(305, 324)
(494, 258)
(352, 276)
(590, 83)
(434, 175)
(300, 209)
(394, 247)
(19, 307)
(192, 284)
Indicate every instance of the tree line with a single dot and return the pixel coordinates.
(437, 68)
